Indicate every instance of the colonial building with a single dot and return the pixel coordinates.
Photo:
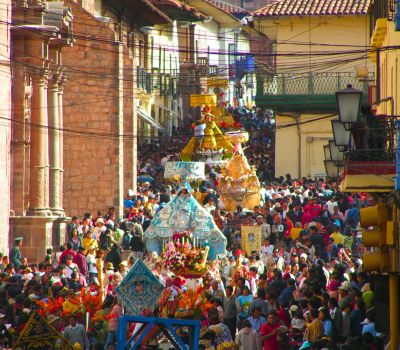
(320, 47)
(102, 101)
(384, 53)
(159, 97)
(39, 33)
(76, 103)
(223, 46)
(5, 121)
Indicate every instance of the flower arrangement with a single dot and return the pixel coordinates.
(74, 304)
(91, 303)
(51, 307)
(230, 125)
(189, 303)
(181, 254)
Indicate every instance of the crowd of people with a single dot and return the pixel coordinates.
(259, 123)
(303, 289)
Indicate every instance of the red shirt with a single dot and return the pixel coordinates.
(65, 253)
(270, 343)
(306, 218)
(283, 316)
(314, 210)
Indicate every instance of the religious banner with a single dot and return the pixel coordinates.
(39, 334)
(251, 239)
(140, 289)
(184, 170)
(202, 99)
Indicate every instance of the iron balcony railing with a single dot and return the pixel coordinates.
(144, 80)
(326, 83)
(374, 139)
(166, 84)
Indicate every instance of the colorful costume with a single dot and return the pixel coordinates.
(213, 139)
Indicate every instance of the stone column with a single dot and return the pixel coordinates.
(61, 86)
(39, 168)
(54, 144)
(19, 143)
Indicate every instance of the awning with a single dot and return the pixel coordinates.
(147, 119)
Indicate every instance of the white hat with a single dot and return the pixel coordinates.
(100, 220)
(131, 193)
(294, 308)
(303, 255)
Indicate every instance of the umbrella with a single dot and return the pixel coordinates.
(145, 178)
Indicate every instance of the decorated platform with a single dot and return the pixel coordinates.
(184, 213)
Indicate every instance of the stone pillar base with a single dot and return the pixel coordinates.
(57, 212)
(39, 233)
(60, 231)
(33, 212)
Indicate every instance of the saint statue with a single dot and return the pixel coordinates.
(208, 140)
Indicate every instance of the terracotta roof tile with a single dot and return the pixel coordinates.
(314, 7)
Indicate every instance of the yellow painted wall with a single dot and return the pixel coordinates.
(312, 133)
(390, 71)
(305, 37)
(337, 33)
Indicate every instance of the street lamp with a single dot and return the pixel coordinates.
(327, 152)
(336, 155)
(348, 102)
(340, 134)
(332, 171)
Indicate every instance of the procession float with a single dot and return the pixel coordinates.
(209, 143)
(239, 184)
(185, 214)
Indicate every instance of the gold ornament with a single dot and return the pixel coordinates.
(239, 184)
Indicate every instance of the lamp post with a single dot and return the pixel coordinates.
(331, 166)
(336, 155)
(327, 152)
(348, 102)
(341, 135)
(332, 171)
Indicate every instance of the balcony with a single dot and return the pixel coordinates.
(371, 156)
(168, 86)
(306, 92)
(144, 80)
